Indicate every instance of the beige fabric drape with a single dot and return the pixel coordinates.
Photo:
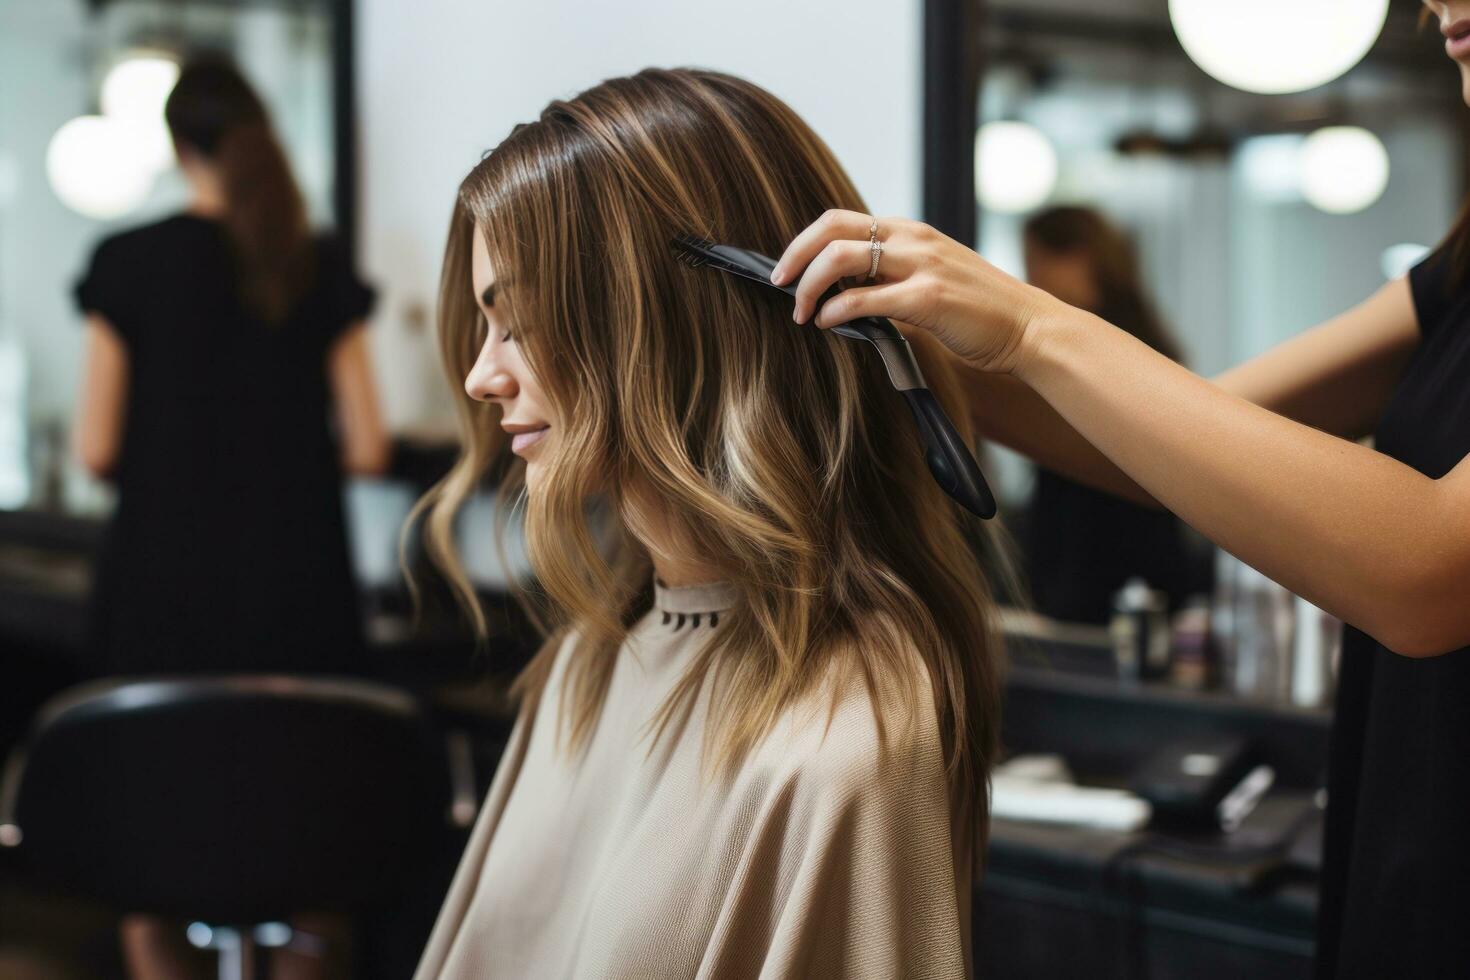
(813, 861)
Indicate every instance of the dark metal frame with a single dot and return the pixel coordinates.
(344, 120)
(953, 47)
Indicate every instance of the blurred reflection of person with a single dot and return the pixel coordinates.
(227, 387)
(1082, 544)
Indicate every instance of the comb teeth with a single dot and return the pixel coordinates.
(703, 253)
(691, 250)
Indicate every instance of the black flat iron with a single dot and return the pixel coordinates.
(950, 460)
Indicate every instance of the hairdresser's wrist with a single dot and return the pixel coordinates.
(1049, 345)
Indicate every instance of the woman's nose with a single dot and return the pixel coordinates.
(488, 380)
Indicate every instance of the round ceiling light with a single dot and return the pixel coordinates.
(134, 92)
(1271, 47)
(99, 166)
(1015, 166)
(1343, 169)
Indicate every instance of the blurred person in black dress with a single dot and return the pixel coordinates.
(1082, 544)
(227, 387)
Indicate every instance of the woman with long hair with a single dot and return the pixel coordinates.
(1082, 544)
(757, 738)
(227, 387)
(1266, 462)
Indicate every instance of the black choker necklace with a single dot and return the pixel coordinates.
(713, 620)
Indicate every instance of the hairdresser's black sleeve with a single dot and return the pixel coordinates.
(351, 298)
(1430, 282)
(104, 287)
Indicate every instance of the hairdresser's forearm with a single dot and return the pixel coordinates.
(1351, 529)
(1009, 412)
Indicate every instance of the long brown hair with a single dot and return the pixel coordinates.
(215, 111)
(780, 453)
(1068, 229)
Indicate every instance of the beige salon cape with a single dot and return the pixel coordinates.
(811, 862)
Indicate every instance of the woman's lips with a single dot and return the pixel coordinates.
(1457, 39)
(524, 439)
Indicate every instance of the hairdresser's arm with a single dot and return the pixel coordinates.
(365, 447)
(1335, 377)
(1004, 410)
(1007, 411)
(102, 402)
(1361, 535)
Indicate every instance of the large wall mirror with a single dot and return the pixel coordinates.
(1254, 214)
(83, 152)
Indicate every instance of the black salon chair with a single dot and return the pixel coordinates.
(236, 801)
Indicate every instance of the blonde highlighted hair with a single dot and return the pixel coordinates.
(779, 453)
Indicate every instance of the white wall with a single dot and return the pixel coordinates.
(441, 81)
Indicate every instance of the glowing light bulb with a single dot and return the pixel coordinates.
(99, 167)
(134, 92)
(1272, 47)
(1015, 166)
(1343, 169)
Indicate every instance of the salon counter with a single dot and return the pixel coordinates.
(1066, 901)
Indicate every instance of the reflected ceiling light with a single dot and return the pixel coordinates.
(1272, 47)
(1015, 166)
(137, 87)
(134, 92)
(1343, 169)
(99, 167)
(1399, 259)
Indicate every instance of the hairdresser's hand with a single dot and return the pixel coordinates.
(925, 278)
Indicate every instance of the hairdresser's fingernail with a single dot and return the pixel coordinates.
(777, 275)
(796, 314)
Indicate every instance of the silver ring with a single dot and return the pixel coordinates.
(875, 250)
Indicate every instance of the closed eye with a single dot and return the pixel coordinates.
(488, 298)
(482, 330)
